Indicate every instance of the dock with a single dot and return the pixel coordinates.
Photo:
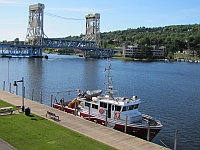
(108, 136)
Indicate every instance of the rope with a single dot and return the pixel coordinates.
(163, 143)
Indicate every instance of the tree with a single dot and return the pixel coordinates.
(16, 41)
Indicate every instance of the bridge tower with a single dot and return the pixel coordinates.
(35, 32)
(93, 28)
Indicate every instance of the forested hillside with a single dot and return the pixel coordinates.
(175, 38)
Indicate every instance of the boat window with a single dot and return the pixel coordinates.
(117, 108)
(124, 109)
(131, 107)
(87, 104)
(94, 106)
(104, 105)
(112, 107)
(136, 106)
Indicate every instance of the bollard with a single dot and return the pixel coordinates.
(75, 108)
(40, 97)
(62, 103)
(175, 139)
(106, 118)
(148, 131)
(89, 112)
(125, 128)
(51, 100)
(9, 87)
(32, 94)
(4, 85)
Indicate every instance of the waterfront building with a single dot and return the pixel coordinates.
(137, 51)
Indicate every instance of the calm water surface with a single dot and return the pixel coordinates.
(169, 91)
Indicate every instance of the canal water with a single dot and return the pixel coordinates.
(169, 91)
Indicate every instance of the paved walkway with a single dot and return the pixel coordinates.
(5, 146)
(98, 132)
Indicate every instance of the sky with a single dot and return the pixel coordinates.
(114, 15)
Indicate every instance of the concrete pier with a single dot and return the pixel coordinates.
(95, 131)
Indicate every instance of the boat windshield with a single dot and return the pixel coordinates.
(131, 107)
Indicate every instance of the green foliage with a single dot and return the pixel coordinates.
(174, 37)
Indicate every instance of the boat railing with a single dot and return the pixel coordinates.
(151, 118)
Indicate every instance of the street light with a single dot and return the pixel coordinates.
(15, 84)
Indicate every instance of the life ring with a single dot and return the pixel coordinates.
(117, 114)
(101, 110)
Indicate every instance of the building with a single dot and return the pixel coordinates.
(136, 51)
(158, 51)
(131, 50)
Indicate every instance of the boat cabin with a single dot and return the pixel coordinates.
(117, 108)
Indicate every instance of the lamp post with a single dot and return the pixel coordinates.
(15, 84)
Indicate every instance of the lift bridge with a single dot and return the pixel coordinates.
(36, 39)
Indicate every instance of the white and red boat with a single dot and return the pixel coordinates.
(116, 112)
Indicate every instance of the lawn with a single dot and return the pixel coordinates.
(186, 56)
(37, 133)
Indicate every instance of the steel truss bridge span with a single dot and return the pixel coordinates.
(67, 43)
(88, 48)
(20, 51)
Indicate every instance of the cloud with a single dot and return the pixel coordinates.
(13, 3)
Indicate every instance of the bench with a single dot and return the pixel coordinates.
(52, 115)
(6, 110)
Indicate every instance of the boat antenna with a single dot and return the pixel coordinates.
(109, 82)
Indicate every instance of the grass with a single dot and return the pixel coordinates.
(186, 56)
(34, 132)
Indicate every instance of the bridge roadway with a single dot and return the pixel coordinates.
(98, 132)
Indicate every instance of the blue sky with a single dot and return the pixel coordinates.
(115, 15)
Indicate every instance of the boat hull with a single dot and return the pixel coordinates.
(139, 131)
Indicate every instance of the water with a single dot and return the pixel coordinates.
(169, 91)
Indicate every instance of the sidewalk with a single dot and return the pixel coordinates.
(5, 146)
(114, 138)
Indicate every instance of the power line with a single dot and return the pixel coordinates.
(60, 17)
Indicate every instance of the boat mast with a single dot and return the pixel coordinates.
(109, 82)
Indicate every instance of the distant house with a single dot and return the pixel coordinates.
(158, 51)
(136, 50)
(131, 50)
(186, 51)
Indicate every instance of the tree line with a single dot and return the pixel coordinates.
(175, 38)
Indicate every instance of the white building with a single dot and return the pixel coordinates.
(136, 50)
(158, 51)
(131, 50)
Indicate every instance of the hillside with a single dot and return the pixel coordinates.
(175, 38)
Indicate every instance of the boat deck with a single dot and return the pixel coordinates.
(116, 139)
(117, 121)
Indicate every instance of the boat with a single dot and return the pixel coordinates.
(120, 113)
